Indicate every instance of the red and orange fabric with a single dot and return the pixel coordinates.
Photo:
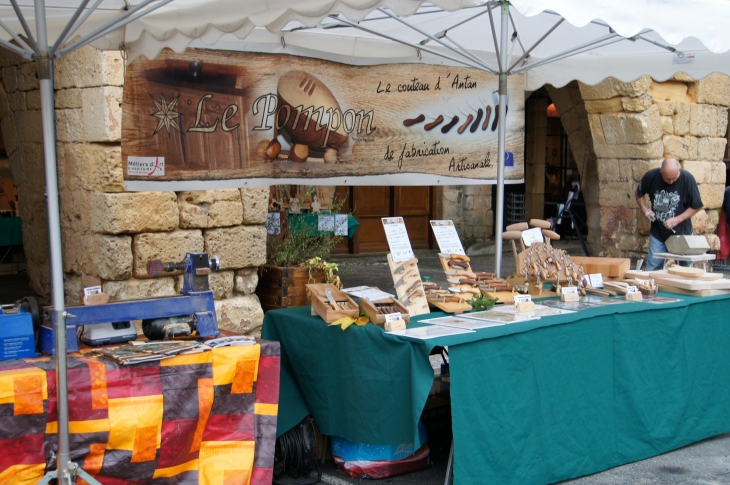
(207, 418)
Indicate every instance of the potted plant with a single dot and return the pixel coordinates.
(296, 252)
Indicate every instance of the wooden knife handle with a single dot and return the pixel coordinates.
(475, 125)
(430, 126)
(447, 127)
(413, 121)
(463, 127)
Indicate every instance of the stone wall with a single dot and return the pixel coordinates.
(108, 234)
(470, 207)
(618, 131)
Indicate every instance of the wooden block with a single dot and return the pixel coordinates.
(608, 267)
(680, 291)
(96, 299)
(635, 296)
(395, 325)
(520, 226)
(525, 306)
(569, 297)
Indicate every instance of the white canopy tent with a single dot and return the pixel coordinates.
(553, 41)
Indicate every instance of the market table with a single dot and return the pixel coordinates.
(207, 418)
(532, 402)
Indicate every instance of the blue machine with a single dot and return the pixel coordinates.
(17, 339)
(161, 317)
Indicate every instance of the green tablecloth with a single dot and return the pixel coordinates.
(10, 231)
(533, 402)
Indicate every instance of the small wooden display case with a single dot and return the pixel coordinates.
(346, 307)
(371, 310)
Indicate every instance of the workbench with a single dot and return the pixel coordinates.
(208, 417)
(533, 402)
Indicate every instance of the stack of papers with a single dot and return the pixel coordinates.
(142, 351)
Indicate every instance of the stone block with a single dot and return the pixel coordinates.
(706, 120)
(237, 247)
(637, 104)
(221, 284)
(561, 98)
(667, 125)
(617, 194)
(88, 166)
(670, 91)
(10, 133)
(108, 257)
(73, 289)
(255, 205)
(629, 128)
(713, 217)
(39, 279)
(612, 87)
(210, 208)
(10, 79)
(30, 126)
(571, 121)
(702, 171)
(609, 169)
(131, 212)
(8, 58)
(699, 222)
(682, 113)
(680, 147)
(89, 67)
(167, 246)
(33, 99)
(714, 89)
(16, 100)
(133, 289)
(102, 113)
(68, 99)
(712, 149)
(240, 314)
(718, 173)
(596, 128)
(714, 241)
(246, 280)
(69, 125)
(74, 210)
(631, 242)
(683, 77)
(666, 108)
(643, 225)
(601, 106)
(712, 195)
(648, 150)
(27, 77)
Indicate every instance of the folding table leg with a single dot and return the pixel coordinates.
(449, 465)
(324, 448)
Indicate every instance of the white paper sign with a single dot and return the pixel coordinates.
(273, 222)
(326, 223)
(447, 237)
(683, 58)
(367, 292)
(570, 289)
(522, 299)
(392, 316)
(341, 225)
(532, 236)
(92, 290)
(595, 280)
(398, 242)
(146, 166)
(632, 289)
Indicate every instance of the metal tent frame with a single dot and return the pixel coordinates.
(504, 49)
(37, 48)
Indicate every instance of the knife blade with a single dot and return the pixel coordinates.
(330, 299)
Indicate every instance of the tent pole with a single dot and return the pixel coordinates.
(501, 134)
(45, 74)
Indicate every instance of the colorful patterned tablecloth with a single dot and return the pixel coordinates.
(207, 418)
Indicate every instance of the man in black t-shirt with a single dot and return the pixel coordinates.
(675, 198)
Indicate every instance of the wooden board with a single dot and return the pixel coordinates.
(608, 267)
(703, 277)
(694, 284)
(450, 307)
(672, 289)
(686, 272)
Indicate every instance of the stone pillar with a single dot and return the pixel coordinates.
(535, 141)
(108, 234)
(632, 127)
(470, 207)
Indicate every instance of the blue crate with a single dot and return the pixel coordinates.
(17, 340)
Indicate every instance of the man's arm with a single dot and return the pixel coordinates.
(677, 220)
(642, 204)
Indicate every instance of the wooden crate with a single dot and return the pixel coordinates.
(610, 268)
(378, 318)
(321, 306)
(285, 287)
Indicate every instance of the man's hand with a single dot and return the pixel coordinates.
(672, 222)
(650, 215)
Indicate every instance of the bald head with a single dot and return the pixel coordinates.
(670, 170)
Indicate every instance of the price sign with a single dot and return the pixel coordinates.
(393, 316)
(398, 242)
(532, 236)
(595, 280)
(632, 289)
(447, 237)
(522, 299)
(567, 290)
(92, 290)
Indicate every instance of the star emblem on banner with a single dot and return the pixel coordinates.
(166, 114)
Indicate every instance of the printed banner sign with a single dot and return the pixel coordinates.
(228, 119)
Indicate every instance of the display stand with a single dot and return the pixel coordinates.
(408, 285)
(690, 258)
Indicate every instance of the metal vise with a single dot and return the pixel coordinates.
(161, 317)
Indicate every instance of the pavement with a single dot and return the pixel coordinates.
(704, 463)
